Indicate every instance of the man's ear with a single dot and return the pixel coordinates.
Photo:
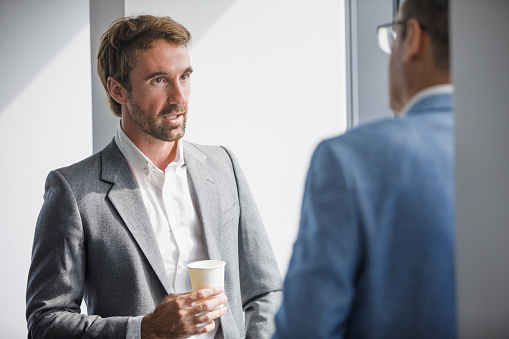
(414, 40)
(117, 91)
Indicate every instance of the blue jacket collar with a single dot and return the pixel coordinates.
(435, 103)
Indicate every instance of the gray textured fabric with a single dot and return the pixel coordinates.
(94, 240)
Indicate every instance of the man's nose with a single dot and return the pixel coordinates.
(177, 94)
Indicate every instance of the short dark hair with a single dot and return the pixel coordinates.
(127, 35)
(433, 15)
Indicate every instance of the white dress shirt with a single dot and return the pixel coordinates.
(172, 210)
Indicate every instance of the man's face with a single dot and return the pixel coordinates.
(396, 71)
(160, 87)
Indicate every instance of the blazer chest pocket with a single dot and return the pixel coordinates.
(229, 214)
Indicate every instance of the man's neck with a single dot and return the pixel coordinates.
(424, 78)
(161, 153)
(419, 81)
(425, 75)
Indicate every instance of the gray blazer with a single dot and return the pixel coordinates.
(94, 240)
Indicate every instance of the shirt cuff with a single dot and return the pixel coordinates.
(134, 328)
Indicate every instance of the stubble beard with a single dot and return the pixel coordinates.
(149, 124)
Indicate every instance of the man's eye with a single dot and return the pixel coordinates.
(158, 80)
(184, 76)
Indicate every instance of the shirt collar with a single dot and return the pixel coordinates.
(136, 157)
(425, 93)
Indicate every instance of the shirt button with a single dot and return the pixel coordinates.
(180, 266)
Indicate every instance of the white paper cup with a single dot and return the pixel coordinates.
(206, 273)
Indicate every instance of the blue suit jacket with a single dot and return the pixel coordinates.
(374, 256)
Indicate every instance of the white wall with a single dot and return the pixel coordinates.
(269, 83)
(45, 123)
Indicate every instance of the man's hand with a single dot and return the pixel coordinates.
(176, 316)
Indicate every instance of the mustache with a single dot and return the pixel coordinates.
(174, 108)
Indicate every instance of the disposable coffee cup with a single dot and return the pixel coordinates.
(206, 273)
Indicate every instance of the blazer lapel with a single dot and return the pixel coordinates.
(203, 179)
(126, 198)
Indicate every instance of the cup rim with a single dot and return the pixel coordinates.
(210, 264)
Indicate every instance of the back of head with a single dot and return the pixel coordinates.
(117, 50)
(434, 17)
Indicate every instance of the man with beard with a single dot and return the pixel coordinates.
(120, 227)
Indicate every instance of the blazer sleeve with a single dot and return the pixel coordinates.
(260, 279)
(56, 277)
(319, 287)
